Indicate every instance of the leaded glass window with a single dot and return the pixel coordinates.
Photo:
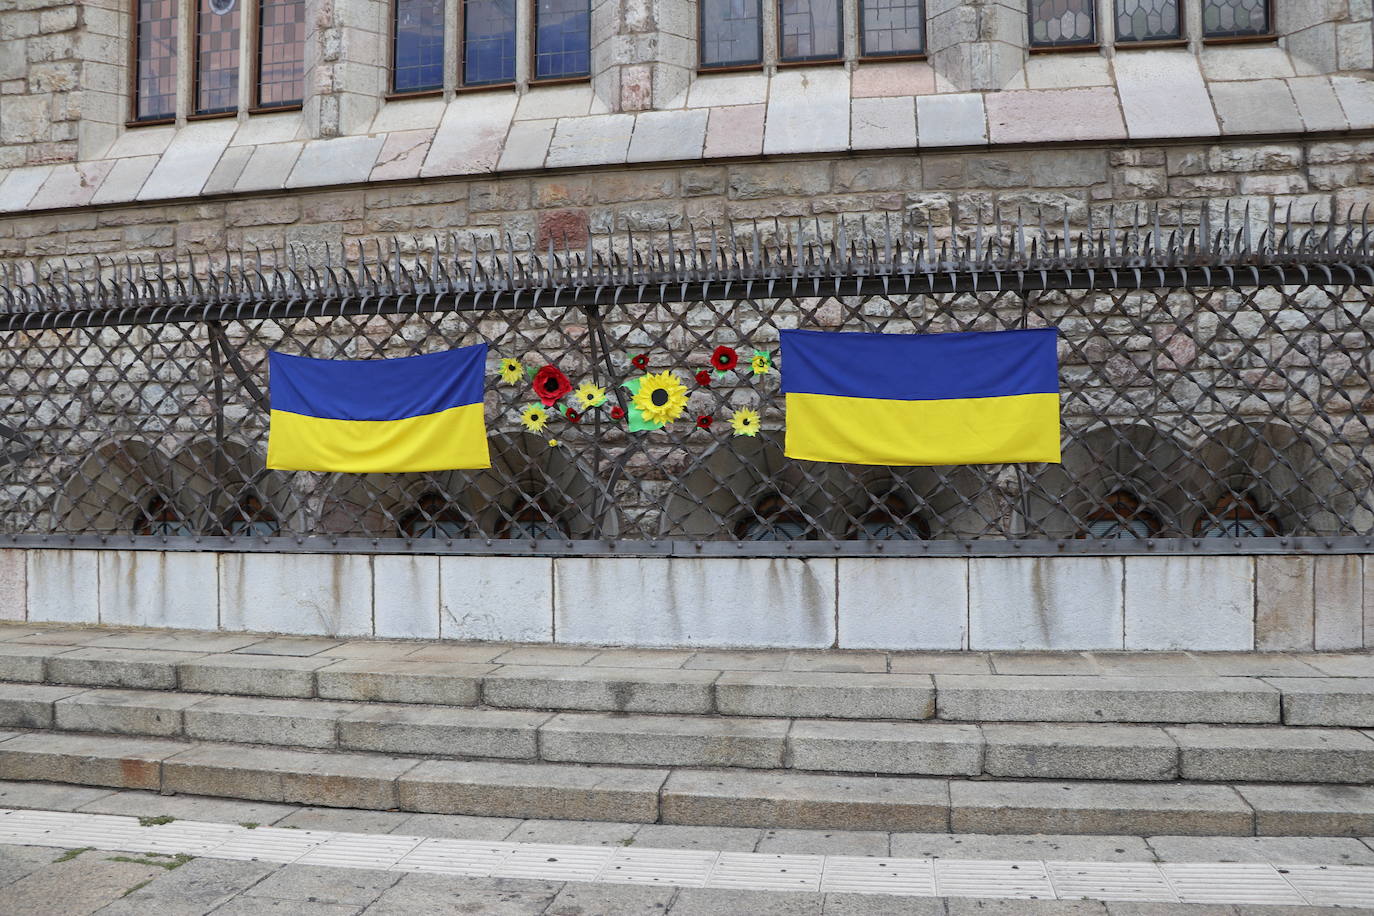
(281, 53)
(562, 39)
(810, 29)
(155, 83)
(731, 33)
(217, 57)
(1062, 23)
(1148, 20)
(1235, 18)
(418, 61)
(488, 42)
(891, 27)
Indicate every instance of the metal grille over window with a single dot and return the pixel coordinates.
(1148, 20)
(418, 55)
(488, 42)
(563, 30)
(1062, 23)
(281, 53)
(1235, 18)
(156, 80)
(731, 33)
(892, 27)
(217, 57)
(810, 29)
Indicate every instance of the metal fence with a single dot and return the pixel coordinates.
(1216, 390)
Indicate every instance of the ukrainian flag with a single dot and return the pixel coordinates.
(922, 399)
(416, 413)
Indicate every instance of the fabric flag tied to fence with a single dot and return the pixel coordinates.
(922, 399)
(415, 413)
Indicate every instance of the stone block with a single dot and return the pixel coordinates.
(1049, 115)
(1356, 95)
(71, 185)
(1284, 611)
(125, 180)
(14, 585)
(338, 160)
(1067, 71)
(1190, 602)
(952, 119)
(903, 603)
(533, 790)
(1163, 94)
(1256, 107)
(1214, 754)
(1069, 751)
(1347, 702)
(808, 111)
(269, 168)
(1071, 698)
(451, 732)
(20, 662)
(734, 130)
(399, 115)
(882, 123)
(188, 160)
(62, 586)
(471, 134)
(255, 720)
(405, 600)
(718, 90)
(388, 681)
(918, 749)
(594, 140)
(1304, 810)
(664, 741)
(30, 705)
(330, 780)
(252, 675)
(1317, 104)
(695, 601)
(1098, 808)
(403, 155)
(125, 668)
(880, 80)
(546, 102)
(146, 141)
(88, 760)
(1368, 603)
(527, 145)
(804, 800)
(1045, 603)
(666, 135)
(1339, 602)
(303, 594)
(600, 689)
(825, 695)
(124, 712)
(19, 185)
(1246, 62)
(157, 588)
(500, 599)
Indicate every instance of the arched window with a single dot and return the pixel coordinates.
(534, 522)
(159, 518)
(772, 520)
(1121, 516)
(1235, 517)
(433, 517)
(251, 518)
(891, 520)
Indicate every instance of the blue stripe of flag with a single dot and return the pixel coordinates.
(377, 389)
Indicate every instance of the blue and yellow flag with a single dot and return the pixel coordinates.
(922, 399)
(416, 413)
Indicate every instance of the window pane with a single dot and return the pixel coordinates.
(156, 90)
(281, 53)
(1232, 18)
(217, 59)
(730, 33)
(488, 42)
(1055, 23)
(563, 31)
(893, 26)
(1113, 528)
(810, 29)
(419, 50)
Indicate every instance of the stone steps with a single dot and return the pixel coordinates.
(1204, 753)
(688, 796)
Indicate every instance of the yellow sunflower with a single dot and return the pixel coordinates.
(661, 397)
(534, 417)
(761, 362)
(589, 395)
(745, 422)
(511, 371)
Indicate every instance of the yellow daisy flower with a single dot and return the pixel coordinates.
(589, 395)
(534, 417)
(511, 371)
(745, 422)
(662, 397)
(761, 362)
(553, 443)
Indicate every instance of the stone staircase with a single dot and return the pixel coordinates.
(1095, 743)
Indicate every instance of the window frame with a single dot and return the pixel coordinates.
(1091, 44)
(429, 511)
(134, 120)
(1131, 44)
(739, 67)
(195, 114)
(257, 107)
(532, 44)
(780, 37)
(887, 56)
(1231, 509)
(461, 77)
(1270, 35)
(767, 511)
(1110, 509)
(392, 93)
(895, 511)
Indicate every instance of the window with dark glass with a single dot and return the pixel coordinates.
(1235, 517)
(562, 39)
(892, 27)
(772, 520)
(418, 46)
(1122, 516)
(533, 522)
(1148, 20)
(488, 42)
(217, 57)
(433, 517)
(251, 518)
(281, 53)
(892, 520)
(731, 33)
(810, 30)
(1062, 23)
(1235, 18)
(159, 518)
(155, 43)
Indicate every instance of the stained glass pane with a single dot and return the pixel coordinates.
(156, 79)
(563, 30)
(1235, 18)
(419, 50)
(893, 26)
(1062, 23)
(1147, 20)
(217, 59)
(281, 53)
(488, 42)
(810, 29)
(731, 33)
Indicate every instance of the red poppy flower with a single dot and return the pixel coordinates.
(724, 359)
(550, 385)
(617, 413)
(704, 378)
(641, 361)
(573, 416)
(703, 422)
